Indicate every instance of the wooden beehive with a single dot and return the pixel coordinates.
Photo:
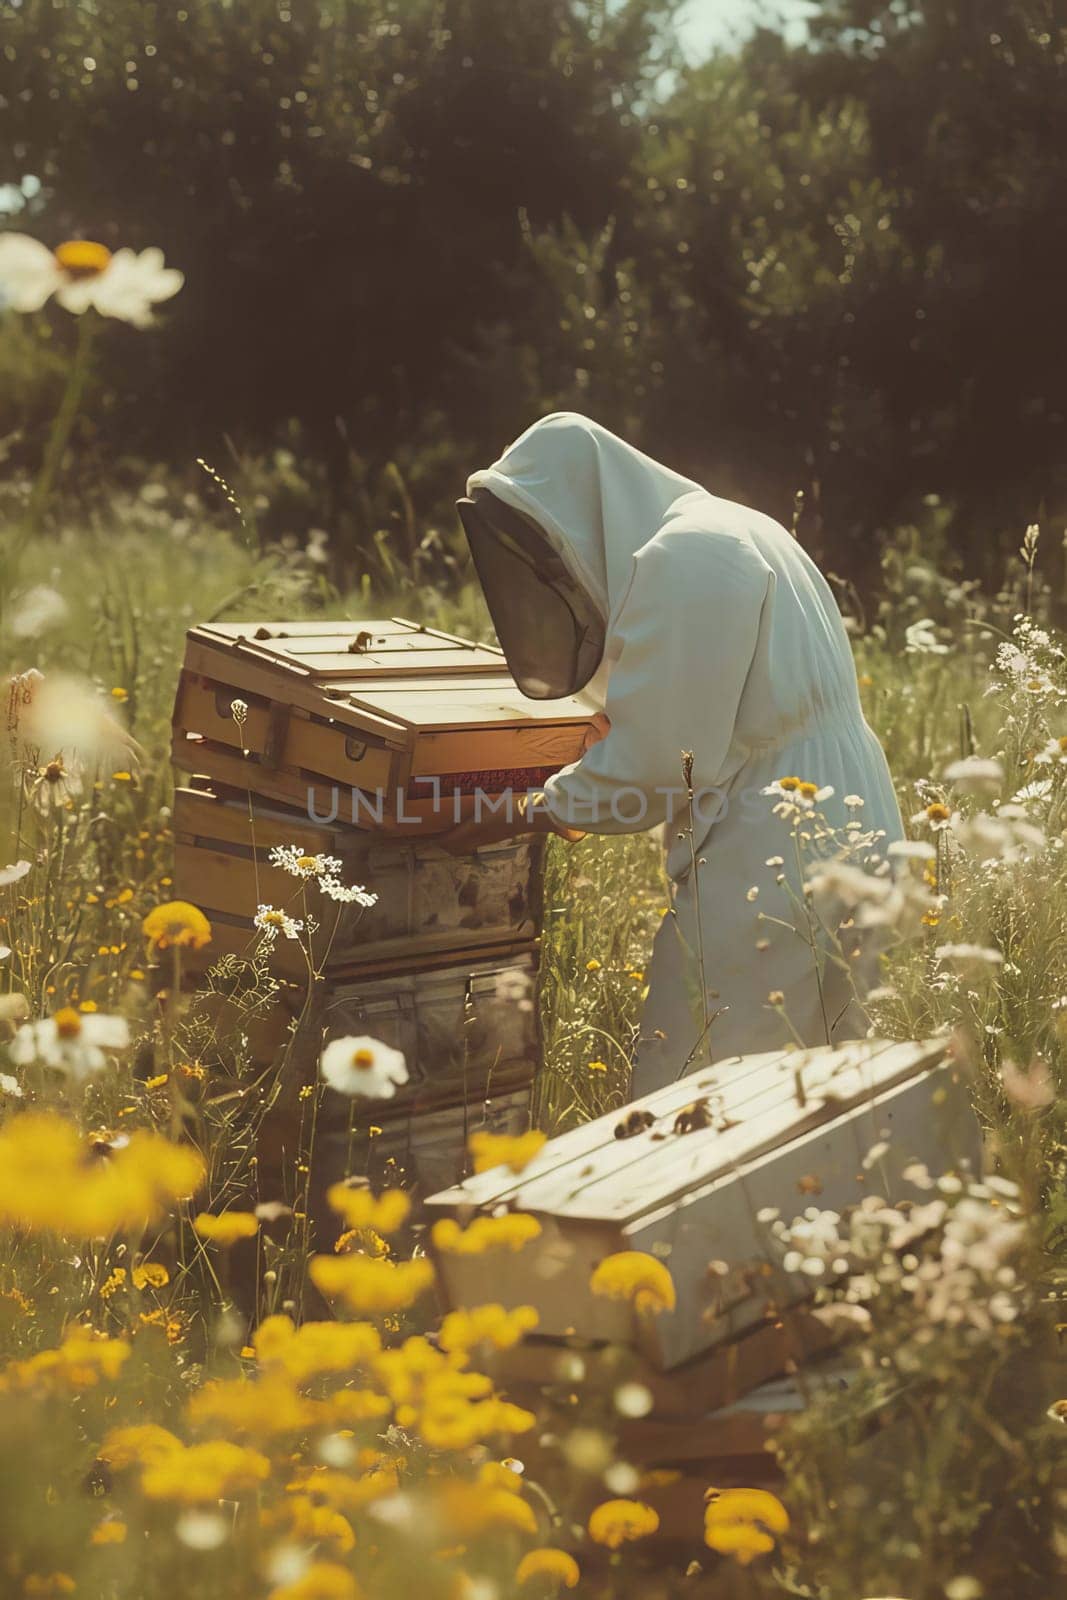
(683, 1174)
(383, 725)
(431, 903)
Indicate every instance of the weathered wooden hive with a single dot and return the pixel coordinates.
(683, 1174)
(365, 741)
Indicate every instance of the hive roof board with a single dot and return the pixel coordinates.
(376, 705)
(786, 1129)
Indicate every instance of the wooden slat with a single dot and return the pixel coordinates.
(625, 1185)
(718, 1377)
(268, 679)
(564, 1176)
(199, 813)
(573, 1150)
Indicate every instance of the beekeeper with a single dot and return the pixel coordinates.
(715, 655)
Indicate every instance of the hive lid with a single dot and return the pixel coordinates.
(706, 1126)
(394, 672)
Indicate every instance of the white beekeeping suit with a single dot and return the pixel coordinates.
(720, 637)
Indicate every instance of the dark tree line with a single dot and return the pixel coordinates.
(408, 226)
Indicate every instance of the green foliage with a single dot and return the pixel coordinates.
(409, 226)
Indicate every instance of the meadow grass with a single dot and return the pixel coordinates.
(157, 1440)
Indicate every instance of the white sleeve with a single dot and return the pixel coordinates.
(681, 644)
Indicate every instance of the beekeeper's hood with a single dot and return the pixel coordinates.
(553, 528)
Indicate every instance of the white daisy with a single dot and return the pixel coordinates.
(921, 639)
(10, 1086)
(334, 889)
(364, 1067)
(1054, 753)
(82, 274)
(975, 773)
(74, 1042)
(14, 872)
(964, 956)
(272, 922)
(290, 858)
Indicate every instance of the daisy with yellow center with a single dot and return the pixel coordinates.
(77, 1043)
(177, 923)
(364, 1067)
(271, 922)
(82, 274)
(299, 864)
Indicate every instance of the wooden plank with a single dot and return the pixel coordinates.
(626, 1182)
(199, 813)
(715, 1378)
(341, 665)
(420, 650)
(576, 1148)
(566, 1179)
(266, 678)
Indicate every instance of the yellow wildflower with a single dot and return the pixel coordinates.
(139, 1445)
(489, 1324)
(50, 1583)
(323, 1580)
(150, 1275)
(348, 1408)
(358, 1207)
(743, 1523)
(366, 1285)
(204, 1472)
(616, 1522)
(504, 1150)
(365, 1240)
(508, 1232)
(113, 1283)
(469, 1509)
(51, 1180)
(305, 1520)
(598, 1066)
(593, 965)
(176, 922)
(314, 1348)
(556, 1565)
(448, 1421)
(111, 1531)
(261, 1407)
(157, 1082)
(83, 1360)
(635, 1276)
(226, 1229)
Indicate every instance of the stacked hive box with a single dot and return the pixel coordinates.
(366, 742)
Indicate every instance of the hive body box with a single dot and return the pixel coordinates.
(378, 724)
(363, 741)
(752, 1132)
(430, 902)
